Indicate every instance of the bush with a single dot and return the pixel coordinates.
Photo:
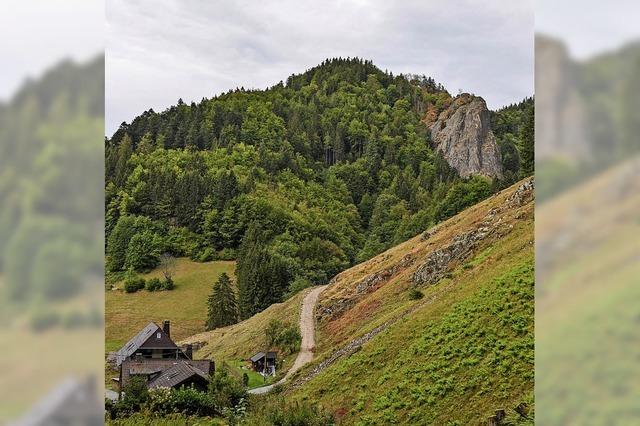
(245, 379)
(133, 284)
(207, 255)
(227, 254)
(168, 284)
(415, 294)
(298, 284)
(154, 284)
(283, 336)
(191, 401)
(142, 253)
(226, 391)
(275, 411)
(136, 395)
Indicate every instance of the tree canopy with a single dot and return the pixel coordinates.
(297, 182)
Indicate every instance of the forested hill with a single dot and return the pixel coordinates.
(296, 182)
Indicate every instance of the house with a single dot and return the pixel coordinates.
(152, 355)
(258, 362)
(151, 342)
(169, 373)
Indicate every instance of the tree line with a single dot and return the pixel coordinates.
(297, 182)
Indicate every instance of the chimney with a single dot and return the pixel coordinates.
(189, 351)
(166, 327)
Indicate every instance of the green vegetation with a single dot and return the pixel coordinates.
(254, 379)
(298, 181)
(133, 284)
(513, 127)
(284, 337)
(225, 397)
(275, 410)
(185, 306)
(222, 306)
(225, 402)
(454, 356)
(458, 360)
(242, 340)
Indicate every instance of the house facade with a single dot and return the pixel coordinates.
(152, 342)
(258, 362)
(153, 356)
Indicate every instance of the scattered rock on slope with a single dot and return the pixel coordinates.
(462, 133)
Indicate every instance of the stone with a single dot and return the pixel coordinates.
(463, 135)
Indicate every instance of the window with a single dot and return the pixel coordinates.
(158, 336)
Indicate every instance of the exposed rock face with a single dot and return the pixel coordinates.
(463, 135)
(462, 246)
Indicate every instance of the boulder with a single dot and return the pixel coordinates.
(463, 135)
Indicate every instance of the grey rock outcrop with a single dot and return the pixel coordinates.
(462, 133)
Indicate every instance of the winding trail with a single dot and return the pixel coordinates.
(308, 333)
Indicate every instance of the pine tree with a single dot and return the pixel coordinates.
(122, 167)
(222, 305)
(527, 163)
(262, 278)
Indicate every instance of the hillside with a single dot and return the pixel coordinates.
(314, 175)
(456, 355)
(240, 341)
(185, 306)
(462, 351)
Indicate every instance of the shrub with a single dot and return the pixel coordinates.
(298, 284)
(133, 284)
(136, 395)
(207, 255)
(278, 412)
(245, 379)
(415, 294)
(154, 284)
(188, 400)
(226, 391)
(285, 337)
(168, 284)
(227, 254)
(142, 254)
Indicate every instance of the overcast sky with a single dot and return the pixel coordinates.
(159, 51)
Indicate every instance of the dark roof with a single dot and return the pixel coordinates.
(257, 356)
(138, 340)
(260, 355)
(144, 369)
(177, 374)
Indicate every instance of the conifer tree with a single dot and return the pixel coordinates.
(527, 163)
(222, 305)
(125, 149)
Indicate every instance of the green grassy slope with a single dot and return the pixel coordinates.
(236, 343)
(465, 349)
(185, 306)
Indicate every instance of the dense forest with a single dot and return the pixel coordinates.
(297, 182)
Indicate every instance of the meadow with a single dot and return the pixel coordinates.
(185, 306)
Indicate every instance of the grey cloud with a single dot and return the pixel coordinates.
(160, 51)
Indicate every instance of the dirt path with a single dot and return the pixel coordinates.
(308, 333)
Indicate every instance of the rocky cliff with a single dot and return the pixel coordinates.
(462, 133)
